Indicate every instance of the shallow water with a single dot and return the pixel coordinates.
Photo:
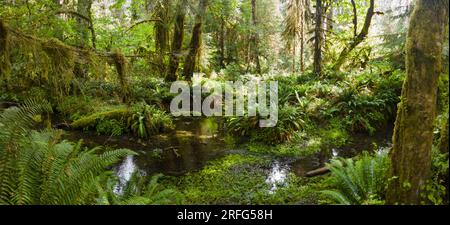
(280, 169)
(196, 142)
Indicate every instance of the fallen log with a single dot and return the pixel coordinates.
(62, 126)
(5, 105)
(318, 172)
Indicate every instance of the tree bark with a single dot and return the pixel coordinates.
(162, 33)
(177, 43)
(222, 43)
(196, 41)
(413, 135)
(444, 138)
(318, 39)
(83, 25)
(255, 37)
(302, 35)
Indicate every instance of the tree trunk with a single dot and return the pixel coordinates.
(177, 43)
(162, 33)
(358, 38)
(444, 139)
(83, 26)
(413, 136)
(302, 35)
(255, 38)
(222, 43)
(196, 40)
(318, 39)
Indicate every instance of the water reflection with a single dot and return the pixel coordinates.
(277, 176)
(124, 172)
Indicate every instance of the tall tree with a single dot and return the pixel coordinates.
(196, 40)
(84, 22)
(411, 153)
(255, 37)
(294, 26)
(318, 38)
(162, 12)
(177, 41)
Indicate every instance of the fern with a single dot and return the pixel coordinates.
(139, 191)
(37, 168)
(358, 182)
(15, 123)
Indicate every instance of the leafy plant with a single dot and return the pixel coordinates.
(113, 127)
(139, 191)
(360, 182)
(36, 168)
(147, 120)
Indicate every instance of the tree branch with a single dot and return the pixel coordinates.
(87, 19)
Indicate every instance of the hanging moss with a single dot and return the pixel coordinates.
(53, 62)
(120, 63)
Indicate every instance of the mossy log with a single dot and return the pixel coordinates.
(92, 120)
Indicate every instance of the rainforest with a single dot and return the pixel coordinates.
(359, 90)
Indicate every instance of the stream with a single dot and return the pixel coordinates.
(196, 142)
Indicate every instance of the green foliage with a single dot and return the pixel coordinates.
(140, 119)
(219, 182)
(367, 102)
(289, 122)
(74, 107)
(113, 127)
(361, 182)
(435, 191)
(15, 123)
(147, 120)
(139, 191)
(91, 121)
(36, 168)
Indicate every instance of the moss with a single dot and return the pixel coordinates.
(92, 120)
(120, 62)
(5, 64)
(241, 179)
(51, 62)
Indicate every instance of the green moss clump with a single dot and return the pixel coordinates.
(92, 120)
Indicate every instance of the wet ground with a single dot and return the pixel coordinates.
(194, 143)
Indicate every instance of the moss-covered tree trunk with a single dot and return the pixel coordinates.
(318, 39)
(83, 26)
(255, 38)
(413, 136)
(5, 63)
(444, 139)
(162, 33)
(196, 41)
(177, 43)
